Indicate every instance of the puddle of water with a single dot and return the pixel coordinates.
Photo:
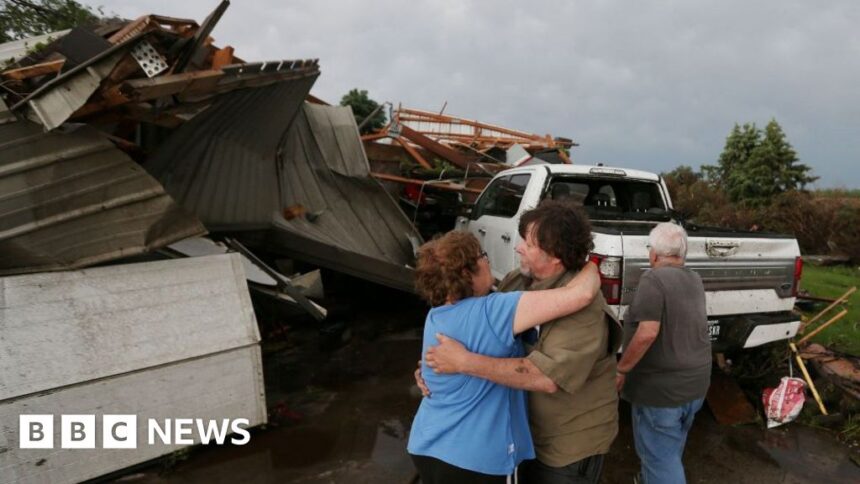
(344, 416)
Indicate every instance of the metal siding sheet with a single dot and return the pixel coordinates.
(238, 164)
(221, 163)
(169, 339)
(54, 107)
(70, 198)
(110, 320)
(225, 385)
(324, 168)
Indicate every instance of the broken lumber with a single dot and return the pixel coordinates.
(824, 311)
(22, 73)
(808, 378)
(440, 184)
(823, 326)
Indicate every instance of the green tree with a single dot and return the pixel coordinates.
(739, 145)
(362, 107)
(776, 153)
(26, 18)
(755, 165)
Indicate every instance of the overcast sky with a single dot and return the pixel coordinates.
(648, 85)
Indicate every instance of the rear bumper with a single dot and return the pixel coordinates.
(751, 330)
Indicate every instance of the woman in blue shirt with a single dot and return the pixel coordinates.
(473, 430)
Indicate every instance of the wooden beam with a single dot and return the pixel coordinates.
(839, 300)
(435, 147)
(808, 379)
(22, 73)
(222, 57)
(439, 184)
(146, 89)
(413, 153)
(374, 136)
(315, 100)
(821, 328)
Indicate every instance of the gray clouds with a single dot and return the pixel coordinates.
(646, 85)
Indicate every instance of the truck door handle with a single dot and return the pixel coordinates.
(506, 237)
(482, 231)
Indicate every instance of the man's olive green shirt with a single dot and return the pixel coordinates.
(577, 352)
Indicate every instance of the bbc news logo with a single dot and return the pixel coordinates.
(120, 431)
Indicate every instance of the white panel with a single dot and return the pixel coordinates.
(62, 328)
(223, 385)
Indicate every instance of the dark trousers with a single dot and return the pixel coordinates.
(435, 471)
(585, 471)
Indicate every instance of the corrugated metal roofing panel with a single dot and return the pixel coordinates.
(241, 162)
(69, 198)
(221, 163)
(323, 168)
(54, 107)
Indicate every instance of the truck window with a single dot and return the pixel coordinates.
(569, 192)
(502, 197)
(611, 198)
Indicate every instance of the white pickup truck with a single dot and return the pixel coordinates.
(751, 278)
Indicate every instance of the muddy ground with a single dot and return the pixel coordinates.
(342, 398)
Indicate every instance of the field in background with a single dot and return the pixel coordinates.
(837, 193)
(832, 282)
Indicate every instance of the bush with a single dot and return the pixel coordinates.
(825, 223)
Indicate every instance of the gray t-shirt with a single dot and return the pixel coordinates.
(676, 369)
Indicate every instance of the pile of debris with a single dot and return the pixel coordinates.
(123, 139)
(124, 145)
(437, 164)
(129, 142)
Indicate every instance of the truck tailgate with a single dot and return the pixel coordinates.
(743, 273)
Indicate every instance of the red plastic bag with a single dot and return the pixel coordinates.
(783, 403)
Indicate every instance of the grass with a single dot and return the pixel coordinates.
(832, 282)
(838, 193)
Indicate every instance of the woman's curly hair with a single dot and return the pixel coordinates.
(562, 230)
(445, 267)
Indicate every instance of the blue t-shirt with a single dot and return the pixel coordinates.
(470, 422)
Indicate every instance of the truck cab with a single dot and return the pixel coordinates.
(751, 278)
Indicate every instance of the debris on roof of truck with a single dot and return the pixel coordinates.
(426, 158)
(462, 142)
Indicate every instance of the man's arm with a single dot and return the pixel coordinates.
(450, 356)
(642, 340)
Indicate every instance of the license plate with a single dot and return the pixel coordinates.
(714, 329)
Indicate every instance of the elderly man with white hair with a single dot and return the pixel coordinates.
(665, 370)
